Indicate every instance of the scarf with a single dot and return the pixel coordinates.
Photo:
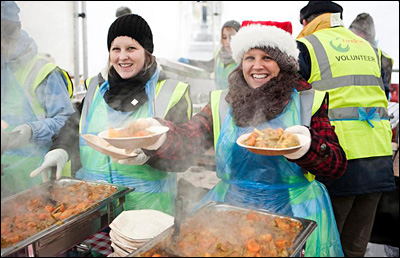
(322, 21)
(123, 91)
(226, 56)
(254, 106)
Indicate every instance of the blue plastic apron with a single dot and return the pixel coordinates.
(273, 183)
(154, 189)
(16, 110)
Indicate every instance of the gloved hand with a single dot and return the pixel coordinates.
(21, 136)
(153, 122)
(299, 129)
(57, 158)
(140, 159)
(183, 60)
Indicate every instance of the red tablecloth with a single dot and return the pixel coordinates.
(100, 243)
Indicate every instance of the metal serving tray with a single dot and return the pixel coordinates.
(57, 239)
(166, 236)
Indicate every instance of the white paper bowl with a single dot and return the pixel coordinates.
(273, 151)
(104, 147)
(135, 142)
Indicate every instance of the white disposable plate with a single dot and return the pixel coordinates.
(126, 246)
(125, 242)
(273, 151)
(104, 147)
(141, 224)
(135, 142)
(119, 251)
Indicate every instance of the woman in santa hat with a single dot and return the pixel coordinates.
(266, 91)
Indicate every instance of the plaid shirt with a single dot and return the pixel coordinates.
(325, 158)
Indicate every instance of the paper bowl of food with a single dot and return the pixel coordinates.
(270, 142)
(135, 135)
(104, 147)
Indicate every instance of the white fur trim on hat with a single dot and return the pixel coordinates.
(257, 35)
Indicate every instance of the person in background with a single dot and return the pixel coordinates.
(35, 102)
(123, 10)
(134, 88)
(266, 91)
(222, 64)
(363, 25)
(334, 59)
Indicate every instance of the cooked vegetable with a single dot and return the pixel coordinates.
(134, 129)
(232, 234)
(37, 214)
(270, 138)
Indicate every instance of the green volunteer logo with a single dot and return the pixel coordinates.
(336, 44)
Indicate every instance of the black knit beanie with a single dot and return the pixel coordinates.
(134, 26)
(319, 7)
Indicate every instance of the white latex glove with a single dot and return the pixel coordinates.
(55, 158)
(299, 129)
(21, 136)
(140, 159)
(161, 140)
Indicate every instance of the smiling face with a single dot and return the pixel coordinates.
(127, 56)
(258, 68)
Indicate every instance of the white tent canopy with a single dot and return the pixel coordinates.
(174, 25)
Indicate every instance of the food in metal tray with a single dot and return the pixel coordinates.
(36, 213)
(231, 234)
(270, 138)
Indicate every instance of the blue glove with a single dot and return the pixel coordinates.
(183, 60)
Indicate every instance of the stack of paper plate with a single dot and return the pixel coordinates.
(132, 229)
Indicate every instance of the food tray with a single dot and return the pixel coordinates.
(166, 237)
(60, 237)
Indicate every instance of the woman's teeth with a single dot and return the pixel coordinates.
(125, 65)
(259, 76)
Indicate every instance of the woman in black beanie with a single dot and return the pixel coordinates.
(132, 89)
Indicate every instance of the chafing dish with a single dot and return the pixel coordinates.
(163, 241)
(61, 237)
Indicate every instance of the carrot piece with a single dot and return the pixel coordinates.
(252, 246)
(253, 216)
(251, 141)
(280, 243)
(49, 208)
(14, 239)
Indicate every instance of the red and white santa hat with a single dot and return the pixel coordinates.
(274, 36)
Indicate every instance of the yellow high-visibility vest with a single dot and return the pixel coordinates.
(348, 67)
